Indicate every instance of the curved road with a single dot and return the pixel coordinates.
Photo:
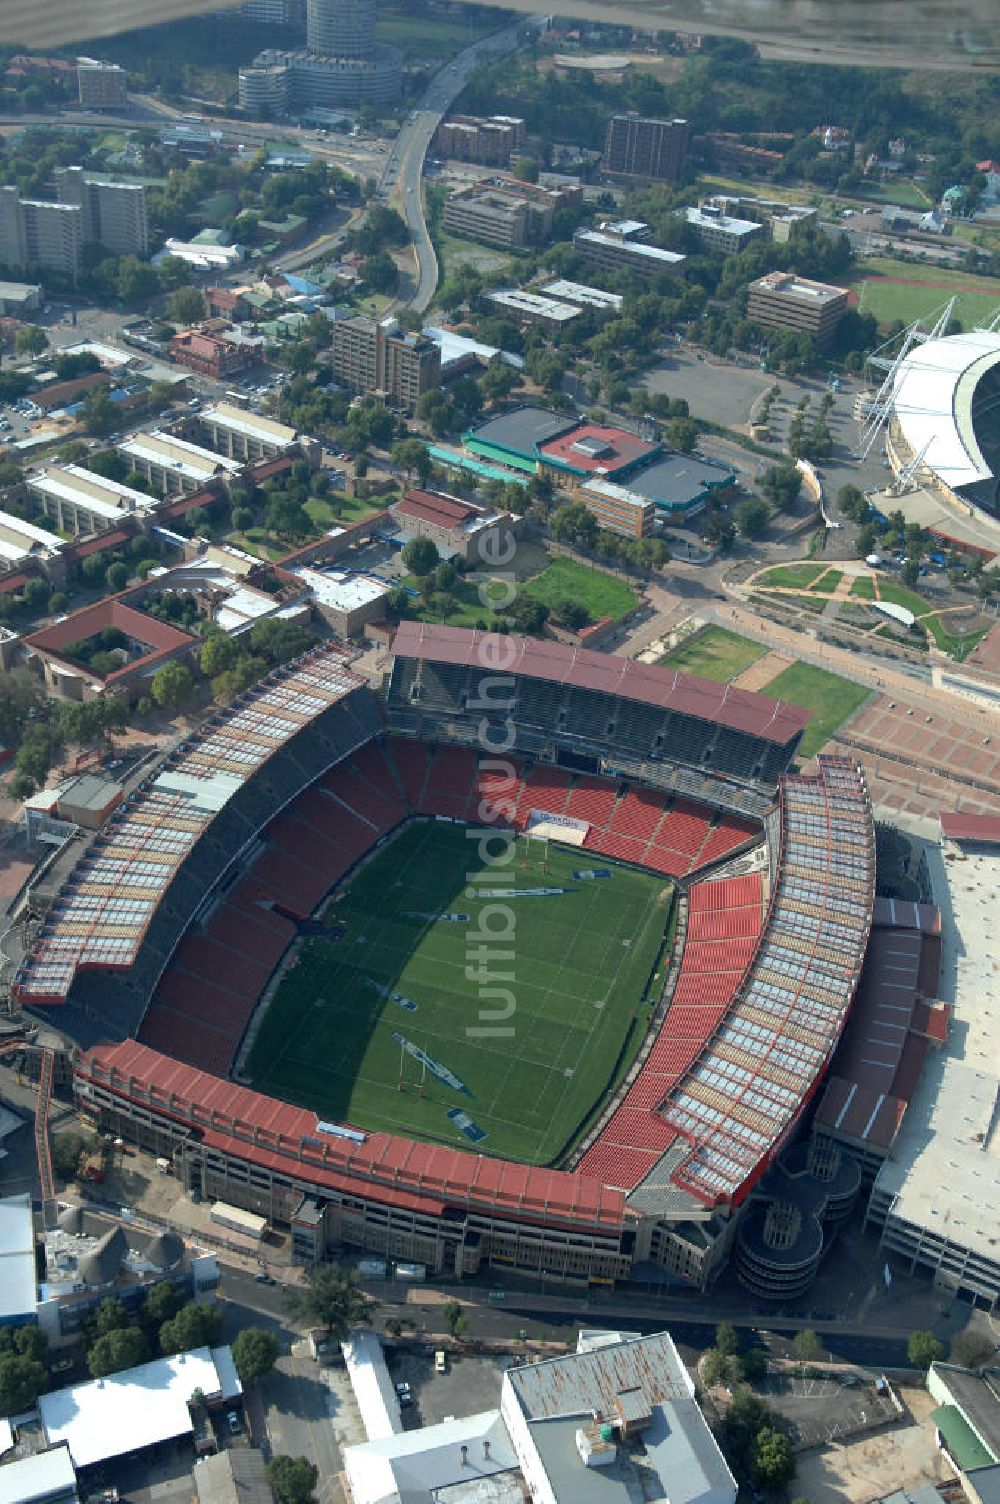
(405, 163)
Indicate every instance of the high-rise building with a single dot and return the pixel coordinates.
(642, 147)
(114, 212)
(341, 28)
(341, 64)
(378, 359)
(33, 233)
(102, 86)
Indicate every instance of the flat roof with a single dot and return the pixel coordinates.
(341, 589)
(579, 292)
(796, 289)
(129, 1411)
(740, 709)
(177, 454)
(932, 403)
(373, 1388)
(44, 1476)
(455, 347)
(944, 1174)
(263, 429)
(680, 479)
(596, 448)
(534, 304)
(524, 429)
(957, 826)
(740, 228)
(416, 1464)
(18, 1289)
(636, 248)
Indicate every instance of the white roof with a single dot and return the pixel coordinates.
(932, 399)
(579, 292)
(17, 1258)
(263, 429)
(530, 302)
(340, 589)
(138, 1408)
(25, 534)
(108, 355)
(457, 346)
(74, 483)
(632, 247)
(202, 256)
(42, 1476)
(738, 227)
(419, 1462)
(373, 1388)
(179, 454)
(898, 613)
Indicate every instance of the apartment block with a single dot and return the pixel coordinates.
(782, 300)
(114, 212)
(378, 359)
(473, 138)
(102, 86)
(640, 146)
(34, 233)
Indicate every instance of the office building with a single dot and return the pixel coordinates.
(244, 436)
(341, 64)
(33, 233)
(618, 509)
(378, 359)
(209, 353)
(102, 86)
(620, 246)
(114, 212)
(781, 300)
(499, 213)
(173, 465)
(641, 147)
(81, 501)
(533, 307)
(719, 232)
(472, 138)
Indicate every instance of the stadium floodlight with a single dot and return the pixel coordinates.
(879, 409)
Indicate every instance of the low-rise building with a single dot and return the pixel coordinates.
(18, 1270)
(781, 300)
(47, 1477)
(679, 485)
(533, 307)
(19, 298)
(732, 154)
(503, 211)
(618, 509)
(208, 352)
(719, 232)
(457, 528)
(346, 599)
(19, 540)
(81, 501)
(241, 435)
(584, 296)
(226, 303)
(621, 246)
(73, 654)
(172, 465)
(201, 255)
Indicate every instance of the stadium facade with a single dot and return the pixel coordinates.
(157, 951)
(943, 418)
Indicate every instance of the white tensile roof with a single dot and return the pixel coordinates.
(932, 400)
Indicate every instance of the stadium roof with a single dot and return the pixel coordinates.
(100, 916)
(739, 709)
(137, 1408)
(399, 1171)
(932, 403)
(961, 827)
(738, 1100)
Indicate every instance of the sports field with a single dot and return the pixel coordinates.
(396, 996)
(899, 290)
(716, 653)
(830, 698)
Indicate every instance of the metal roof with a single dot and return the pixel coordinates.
(236, 1476)
(18, 1290)
(957, 826)
(932, 401)
(524, 429)
(43, 1478)
(739, 709)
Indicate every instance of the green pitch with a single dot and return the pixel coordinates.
(583, 963)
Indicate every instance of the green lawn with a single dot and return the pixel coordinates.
(978, 297)
(469, 607)
(341, 510)
(828, 697)
(586, 958)
(428, 36)
(864, 587)
(567, 579)
(791, 576)
(888, 590)
(716, 654)
(956, 645)
(827, 583)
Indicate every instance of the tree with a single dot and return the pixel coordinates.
(137, 281)
(242, 518)
(117, 1350)
(172, 685)
(22, 1380)
(381, 273)
(910, 572)
(195, 1325)
(455, 1318)
(31, 340)
(807, 1346)
(331, 1298)
(781, 484)
(772, 1461)
(218, 653)
(572, 615)
(163, 1301)
(99, 412)
(116, 576)
(727, 1341)
(110, 1316)
(66, 1151)
(420, 556)
(412, 456)
(185, 306)
(682, 434)
(923, 1349)
(254, 1353)
(293, 1479)
(161, 394)
(853, 503)
(752, 517)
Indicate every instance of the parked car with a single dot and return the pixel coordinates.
(234, 1423)
(440, 1361)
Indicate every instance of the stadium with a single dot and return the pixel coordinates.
(280, 967)
(942, 404)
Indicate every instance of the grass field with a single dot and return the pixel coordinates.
(566, 579)
(428, 36)
(827, 583)
(715, 654)
(978, 297)
(956, 645)
(791, 576)
(582, 964)
(830, 698)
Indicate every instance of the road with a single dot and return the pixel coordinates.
(405, 163)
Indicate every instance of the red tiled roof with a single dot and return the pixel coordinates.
(14, 582)
(432, 506)
(739, 709)
(625, 448)
(63, 392)
(959, 827)
(396, 1170)
(159, 636)
(99, 545)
